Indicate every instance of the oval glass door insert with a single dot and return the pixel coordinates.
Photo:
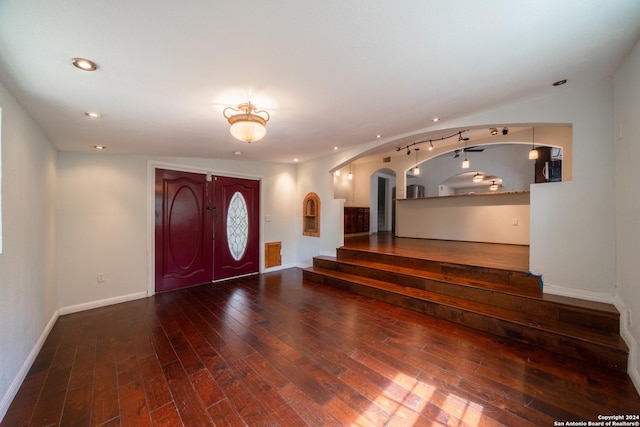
(237, 226)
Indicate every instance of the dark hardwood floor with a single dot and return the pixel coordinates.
(273, 350)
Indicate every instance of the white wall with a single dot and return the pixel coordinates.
(28, 305)
(103, 219)
(489, 218)
(627, 150)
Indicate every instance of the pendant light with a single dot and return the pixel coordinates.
(247, 123)
(465, 162)
(350, 176)
(477, 177)
(416, 170)
(533, 153)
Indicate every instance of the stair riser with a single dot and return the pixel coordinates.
(515, 279)
(602, 321)
(586, 351)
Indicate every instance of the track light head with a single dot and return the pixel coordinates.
(493, 131)
(408, 151)
(505, 130)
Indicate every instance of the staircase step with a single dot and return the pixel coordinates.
(584, 343)
(568, 311)
(518, 280)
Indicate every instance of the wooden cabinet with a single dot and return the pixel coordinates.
(356, 220)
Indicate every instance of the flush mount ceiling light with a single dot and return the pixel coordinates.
(93, 114)
(247, 123)
(493, 186)
(84, 64)
(477, 177)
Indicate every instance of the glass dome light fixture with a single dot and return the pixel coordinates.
(477, 177)
(248, 124)
(493, 186)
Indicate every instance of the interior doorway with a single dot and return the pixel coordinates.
(382, 184)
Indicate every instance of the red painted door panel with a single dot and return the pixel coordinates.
(184, 227)
(236, 228)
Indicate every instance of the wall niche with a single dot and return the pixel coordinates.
(311, 215)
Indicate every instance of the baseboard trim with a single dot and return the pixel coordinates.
(101, 303)
(278, 268)
(578, 293)
(24, 369)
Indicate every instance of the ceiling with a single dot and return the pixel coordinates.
(330, 73)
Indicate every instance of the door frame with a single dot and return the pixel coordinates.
(152, 165)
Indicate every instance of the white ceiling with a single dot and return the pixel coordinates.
(331, 73)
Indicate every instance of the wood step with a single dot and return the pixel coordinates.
(521, 280)
(602, 317)
(583, 343)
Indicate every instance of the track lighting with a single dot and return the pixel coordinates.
(505, 130)
(493, 131)
(430, 141)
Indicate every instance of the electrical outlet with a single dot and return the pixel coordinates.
(100, 278)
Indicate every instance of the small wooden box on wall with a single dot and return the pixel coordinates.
(272, 254)
(311, 215)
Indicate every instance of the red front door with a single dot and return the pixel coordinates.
(184, 230)
(236, 229)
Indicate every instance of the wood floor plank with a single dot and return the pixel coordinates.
(133, 407)
(190, 408)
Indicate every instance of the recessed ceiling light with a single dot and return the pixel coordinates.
(335, 148)
(378, 136)
(100, 147)
(93, 114)
(296, 160)
(560, 82)
(84, 64)
(237, 153)
(436, 119)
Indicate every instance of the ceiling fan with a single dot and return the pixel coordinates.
(467, 150)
